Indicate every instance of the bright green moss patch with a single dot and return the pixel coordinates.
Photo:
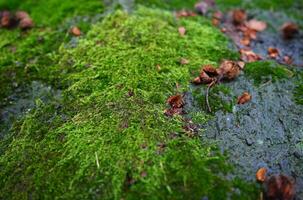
(262, 72)
(109, 138)
(53, 12)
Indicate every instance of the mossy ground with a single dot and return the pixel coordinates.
(109, 128)
(99, 137)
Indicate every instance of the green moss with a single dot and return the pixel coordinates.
(102, 138)
(262, 72)
(53, 12)
(26, 56)
(298, 92)
(216, 98)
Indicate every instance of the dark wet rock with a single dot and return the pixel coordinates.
(22, 101)
(249, 141)
(264, 132)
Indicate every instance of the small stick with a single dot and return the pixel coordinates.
(97, 160)
(207, 94)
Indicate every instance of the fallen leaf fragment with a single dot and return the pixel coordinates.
(289, 30)
(26, 23)
(228, 70)
(6, 19)
(203, 6)
(185, 13)
(216, 19)
(197, 80)
(280, 187)
(182, 31)
(249, 55)
(209, 70)
(256, 25)
(75, 31)
(238, 16)
(288, 60)
(175, 101)
(250, 33)
(273, 52)
(245, 41)
(21, 15)
(184, 61)
(204, 78)
(261, 174)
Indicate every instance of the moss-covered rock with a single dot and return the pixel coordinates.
(108, 137)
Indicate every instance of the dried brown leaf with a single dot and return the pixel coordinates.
(204, 78)
(261, 174)
(6, 19)
(175, 101)
(26, 23)
(203, 6)
(273, 52)
(185, 13)
(182, 31)
(280, 187)
(288, 60)
(209, 70)
(249, 55)
(228, 70)
(197, 80)
(75, 31)
(239, 16)
(256, 25)
(289, 30)
(184, 61)
(21, 15)
(245, 41)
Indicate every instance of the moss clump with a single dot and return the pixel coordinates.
(262, 72)
(109, 139)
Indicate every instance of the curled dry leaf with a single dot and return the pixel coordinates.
(245, 41)
(261, 174)
(256, 25)
(273, 52)
(26, 23)
(250, 33)
(175, 101)
(75, 31)
(249, 55)
(182, 31)
(6, 19)
(185, 13)
(184, 61)
(228, 70)
(209, 70)
(197, 80)
(238, 16)
(280, 187)
(216, 19)
(289, 30)
(288, 60)
(203, 6)
(21, 15)
(204, 78)
(244, 98)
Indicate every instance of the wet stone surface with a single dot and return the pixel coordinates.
(266, 132)
(22, 101)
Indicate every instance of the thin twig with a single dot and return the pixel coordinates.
(207, 94)
(97, 160)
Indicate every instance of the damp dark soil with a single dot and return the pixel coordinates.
(266, 132)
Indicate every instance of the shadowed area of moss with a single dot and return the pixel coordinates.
(109, 138)
(265, 71)
(26, 55)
